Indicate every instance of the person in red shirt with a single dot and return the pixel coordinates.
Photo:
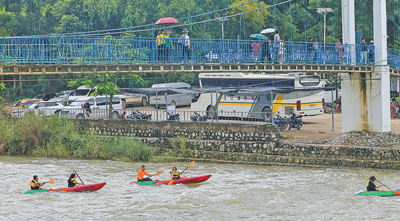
(141, 174)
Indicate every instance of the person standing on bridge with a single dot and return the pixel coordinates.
(266, 52)
(364, 51)
(310, 50)
(316, 51)
(371, 52)
(184, 41)
(161, 45)
(340, 50)
(168, 47)
(277, 45)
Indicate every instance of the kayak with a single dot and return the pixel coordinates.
(85, 188)
(380, 193)
(196, 179)
(146, 182)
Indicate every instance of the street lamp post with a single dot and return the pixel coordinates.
(222, 20)
(323, 11)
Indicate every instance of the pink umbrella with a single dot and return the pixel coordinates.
(166, 21)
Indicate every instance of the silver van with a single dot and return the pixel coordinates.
(174, 99)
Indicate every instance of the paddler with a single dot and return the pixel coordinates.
(72, 181)
(141, 174)
(35, 185)
(175, 174)
(371, 184)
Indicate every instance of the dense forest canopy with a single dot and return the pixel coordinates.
(297, 20)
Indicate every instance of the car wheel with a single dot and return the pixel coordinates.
(144, 101)
(123, 103)
(267, 114)
(115, 115)
(80, 116)
(173, 103)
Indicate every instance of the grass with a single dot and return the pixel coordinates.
(58, 137)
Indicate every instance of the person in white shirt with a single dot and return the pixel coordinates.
(184, 41)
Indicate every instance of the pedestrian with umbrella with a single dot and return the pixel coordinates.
(161, 41)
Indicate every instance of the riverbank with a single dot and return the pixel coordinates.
(252, 144)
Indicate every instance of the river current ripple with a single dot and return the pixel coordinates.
(233, 192)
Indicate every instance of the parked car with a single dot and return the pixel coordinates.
(81, 92)
(46, 107)
(62, 97)
(98, 108)
(174, 99)
(45, 97)
(20, 104)
(18, 107)
(132, 99)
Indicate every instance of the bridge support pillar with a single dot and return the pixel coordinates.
(366, 101)
(366, 96)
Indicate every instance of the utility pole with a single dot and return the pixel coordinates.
(323, 11)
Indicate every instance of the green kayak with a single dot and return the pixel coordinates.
(146, 182)
(36, 191)
(379, 193)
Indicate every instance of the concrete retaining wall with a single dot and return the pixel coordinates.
(236, 143)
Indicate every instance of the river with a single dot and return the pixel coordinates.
(232, 192)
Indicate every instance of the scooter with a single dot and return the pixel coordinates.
(281, 122)
(197, 117)
(139, 116)
(173, 117)
(295, 122)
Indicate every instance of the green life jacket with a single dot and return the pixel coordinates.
(176, 174)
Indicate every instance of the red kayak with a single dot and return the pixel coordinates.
(196, 179)
(85, 188)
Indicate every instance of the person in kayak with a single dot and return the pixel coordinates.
(141, 174)
(36, 185)
(175, 174)
(371, 184)
(72, 181)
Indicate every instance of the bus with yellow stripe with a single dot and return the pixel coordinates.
(260, 95)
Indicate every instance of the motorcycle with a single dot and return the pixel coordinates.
(395, 110)
(173, 117)
(281, 122)
(198, 117)
(139, 116)
(295, 122)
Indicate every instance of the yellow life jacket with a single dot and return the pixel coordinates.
(36, 185)
(175, 173)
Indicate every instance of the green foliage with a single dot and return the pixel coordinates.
(2, 86)
(58, 137)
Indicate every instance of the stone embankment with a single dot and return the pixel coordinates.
(255, 144)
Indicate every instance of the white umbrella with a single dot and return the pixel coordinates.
(268, 30)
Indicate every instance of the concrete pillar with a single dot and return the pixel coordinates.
(349, 28)
(366, 96)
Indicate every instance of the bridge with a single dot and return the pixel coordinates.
(85, 55)
(365, 92)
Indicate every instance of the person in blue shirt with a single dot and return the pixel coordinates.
(371, 52)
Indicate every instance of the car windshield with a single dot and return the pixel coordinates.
(61, 94)
(81, 92)
(30, 104)
(40, 96)
(16, 104)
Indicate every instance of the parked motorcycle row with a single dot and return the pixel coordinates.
(288, 123)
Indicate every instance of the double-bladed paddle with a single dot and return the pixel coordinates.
(32, 184)
(158, 173)
(191, 164)
(383, 185)
(76, 174)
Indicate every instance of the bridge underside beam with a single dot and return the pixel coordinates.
(178, 68)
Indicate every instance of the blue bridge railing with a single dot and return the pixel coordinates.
(140, 50)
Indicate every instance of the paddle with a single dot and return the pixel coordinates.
(191, 164)
(158, 173)
(32, 184)
(383, 185)
(76, 174)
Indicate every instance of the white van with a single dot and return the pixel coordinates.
(164, 99)
(81, 92)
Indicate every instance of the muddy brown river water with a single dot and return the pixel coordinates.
(233, 192)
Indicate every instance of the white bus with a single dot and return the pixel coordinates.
(292, 93)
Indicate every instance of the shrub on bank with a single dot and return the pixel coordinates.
(58, 137)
